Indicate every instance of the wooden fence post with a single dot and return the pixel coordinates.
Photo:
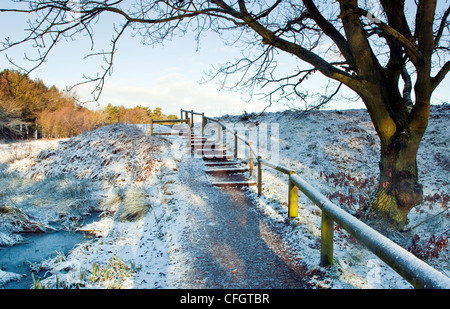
(259, 176)
(219, 126)
(189, 136)
(292, 199)
(235, 145)
(151, 127)
(224, 136)
(203, 124)
(251, 158)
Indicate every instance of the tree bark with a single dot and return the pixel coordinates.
(400, 134)
(399, 189)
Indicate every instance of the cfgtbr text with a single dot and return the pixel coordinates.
(228, 299)
(246, 298)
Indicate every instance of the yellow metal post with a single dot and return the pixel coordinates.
(292, 200)
(326, 245)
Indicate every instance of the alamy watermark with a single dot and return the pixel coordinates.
(264, 137)
(75, 7)
(374, 9)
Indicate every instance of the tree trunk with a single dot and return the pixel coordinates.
(399, 190)
(400, 135)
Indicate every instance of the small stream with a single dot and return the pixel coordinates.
(35, 248)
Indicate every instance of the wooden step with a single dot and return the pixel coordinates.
(200, 138)
(246, 183)
(206, 145)
(222, 163)
(212, 152)
(222, 156)
(230, 170)
(200, 143)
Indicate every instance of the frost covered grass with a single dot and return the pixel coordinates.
(129, 204)
(29, 205)
(11, 151)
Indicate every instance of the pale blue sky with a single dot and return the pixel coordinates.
(163, 76)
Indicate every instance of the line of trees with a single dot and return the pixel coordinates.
(28, 108)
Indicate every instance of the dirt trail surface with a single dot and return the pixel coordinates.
(228, 243)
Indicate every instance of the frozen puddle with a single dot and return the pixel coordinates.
(36, 248)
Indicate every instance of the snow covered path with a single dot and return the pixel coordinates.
(229, 243)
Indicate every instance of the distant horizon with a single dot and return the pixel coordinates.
(137, 94)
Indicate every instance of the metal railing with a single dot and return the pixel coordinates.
(418, 273)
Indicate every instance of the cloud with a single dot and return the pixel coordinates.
(172, 92)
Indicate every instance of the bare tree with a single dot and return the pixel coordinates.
(372, 47)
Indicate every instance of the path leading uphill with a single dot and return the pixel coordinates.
(229, 243)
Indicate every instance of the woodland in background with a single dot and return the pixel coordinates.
(30, 109)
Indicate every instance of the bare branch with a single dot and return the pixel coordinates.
(435, 81)
(409, 46)
(330, 31)
(268, 11)
(101, 79)
(444, 23)
(407, 88)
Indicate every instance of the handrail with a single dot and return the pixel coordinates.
(280, 168)
(186, 111)
(418, 273)
(152, 121)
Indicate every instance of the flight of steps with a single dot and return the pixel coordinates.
(220, 163)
